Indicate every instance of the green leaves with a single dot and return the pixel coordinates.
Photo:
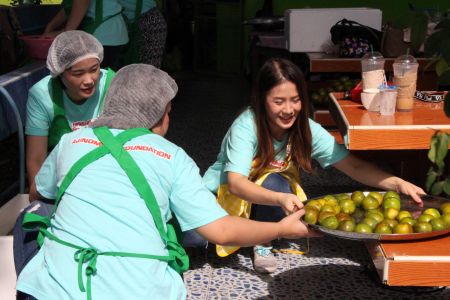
(431, 178)
(441, 67)
(438, 46)
(437, 188)
(446, 187)
(436, 183)
(438, 149)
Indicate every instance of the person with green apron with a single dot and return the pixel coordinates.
(68, 99)
(71, 97)
(257, 172)
(101, 18)
(147, 31)
(118, 188)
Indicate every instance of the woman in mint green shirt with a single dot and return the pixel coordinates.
(257, 172)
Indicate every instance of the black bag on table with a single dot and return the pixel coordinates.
(354, 39)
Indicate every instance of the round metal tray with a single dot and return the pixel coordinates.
(407, 204)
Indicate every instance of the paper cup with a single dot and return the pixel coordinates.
(370, 99)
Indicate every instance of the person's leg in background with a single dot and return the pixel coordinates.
(153, 29)
(264, 261)
(25, 245)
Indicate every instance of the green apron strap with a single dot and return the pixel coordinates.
(141, 184)
(32, 221)
(132, 53)
(92, 156)
(98, 13)
(110, 74)
(138, 11)
(134, 173)
(89, 24)
(59, 125)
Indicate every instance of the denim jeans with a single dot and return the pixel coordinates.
(268, 213)
(24, 244)
(192, 239)
(265, 213)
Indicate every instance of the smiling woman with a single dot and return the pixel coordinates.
(283, 106)
(257, 174)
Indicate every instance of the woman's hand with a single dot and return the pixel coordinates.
(371, 175)
(291, 227)
(290, 203)
(410, 189)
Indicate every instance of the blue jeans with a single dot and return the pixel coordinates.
(25, 246)
(192, 239)
(267, 213)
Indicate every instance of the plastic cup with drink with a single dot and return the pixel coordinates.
(372, 70)
(405, 78)
(388, 99)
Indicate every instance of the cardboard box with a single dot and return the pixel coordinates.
(308, 30)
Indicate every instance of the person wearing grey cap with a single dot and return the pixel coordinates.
(68, 99)
(118, 186)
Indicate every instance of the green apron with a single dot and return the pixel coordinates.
(87, 257)
(89, 24)
(60, 125)
(132, 53)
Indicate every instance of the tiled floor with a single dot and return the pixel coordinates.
(333, 269)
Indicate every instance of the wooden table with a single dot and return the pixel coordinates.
(325, 63)
(412, 263)
(364, 130)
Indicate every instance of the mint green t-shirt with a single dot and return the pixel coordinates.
(240, 144)
(129, 7)
(102, 209)
(112, 32)
(40, 112)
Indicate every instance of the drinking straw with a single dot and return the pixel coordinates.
(371, 49)
(407, 54)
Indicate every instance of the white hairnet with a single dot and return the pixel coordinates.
(71, 47)
(137, 97)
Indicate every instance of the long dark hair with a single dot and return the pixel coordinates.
(272, 73)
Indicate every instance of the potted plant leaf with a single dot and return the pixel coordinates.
(437, 46)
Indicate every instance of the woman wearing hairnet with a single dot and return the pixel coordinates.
(118, 187)
(68, 99)
(103, 19)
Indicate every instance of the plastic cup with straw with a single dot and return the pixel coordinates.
(405, 78)
(372, 69)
